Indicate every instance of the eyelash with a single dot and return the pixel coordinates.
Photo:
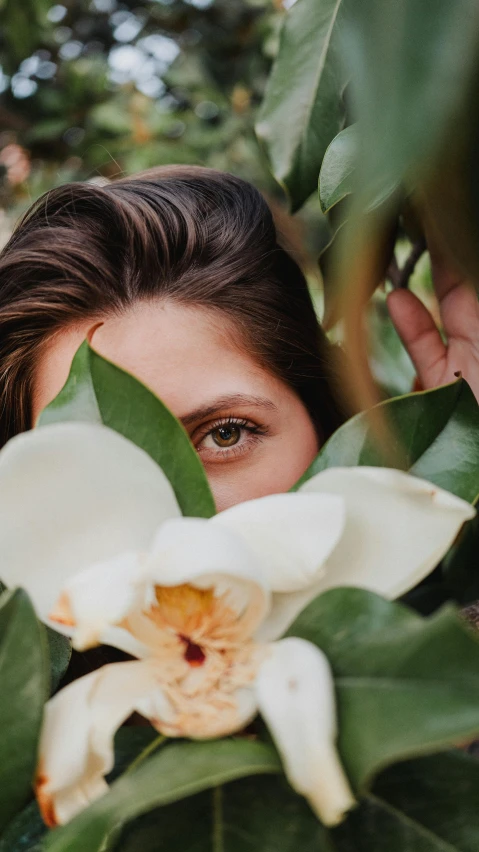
(255, 432)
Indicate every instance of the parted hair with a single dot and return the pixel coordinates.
(193, 235)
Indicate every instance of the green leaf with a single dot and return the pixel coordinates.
(99, 392)
(461, 567)
(434, 435)
(406, 685)
(425, 805)
(25, 832)
(336, 178)
(24, 690)
(77, 400)
(134, 745)
(302, 110)
(60, 652)
(176, 772)
(262, 814)
(410, 64)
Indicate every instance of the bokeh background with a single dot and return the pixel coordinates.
(93, 90)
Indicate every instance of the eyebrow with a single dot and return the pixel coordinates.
(227, 402)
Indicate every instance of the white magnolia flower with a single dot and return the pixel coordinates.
(89, 525)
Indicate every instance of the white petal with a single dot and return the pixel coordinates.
(101, 597)
(76, 745)
(398, 527)
(192, 550)
(292, 535)
(283, 610)
(72, 494)
(295, 692)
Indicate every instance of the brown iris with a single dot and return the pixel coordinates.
(227, 435)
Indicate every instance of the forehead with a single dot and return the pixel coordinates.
(185, 354)
(179, 352)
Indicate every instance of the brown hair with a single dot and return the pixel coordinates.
(195, 235)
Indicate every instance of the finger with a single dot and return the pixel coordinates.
(460, 314)
(420, 336)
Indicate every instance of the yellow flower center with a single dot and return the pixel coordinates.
(205, 655)
(198, 617)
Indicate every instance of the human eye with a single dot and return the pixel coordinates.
(227, 438)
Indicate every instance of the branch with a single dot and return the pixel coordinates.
(399, 278)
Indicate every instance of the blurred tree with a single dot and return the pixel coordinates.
(96, 89)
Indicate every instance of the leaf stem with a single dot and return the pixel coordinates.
(399, 278)
(156, 743)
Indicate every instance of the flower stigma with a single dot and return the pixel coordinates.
(194, 654)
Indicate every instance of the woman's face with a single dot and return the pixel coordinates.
(251, 431)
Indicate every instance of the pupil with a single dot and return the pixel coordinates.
(226, 436)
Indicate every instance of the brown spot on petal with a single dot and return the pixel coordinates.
(62, 612)
(45, 801)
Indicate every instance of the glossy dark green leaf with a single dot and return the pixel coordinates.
(461, 567)
(336, 178)
(25, 832)
(24, 680)
(99, 392)
(434, 435)
(302, 110)
(262, 814)
(425, 805)
(60, 651)
(410, 66)
(178, 771)
(131, 741)
(406, 685)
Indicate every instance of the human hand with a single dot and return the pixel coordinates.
(437, 362)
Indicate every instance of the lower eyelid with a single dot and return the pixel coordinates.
(219, 454)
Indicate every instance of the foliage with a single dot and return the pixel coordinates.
(24, 677)
(401, 672)
(404, 162)
(32, 663)
(433, 435)
(304, 93)
(178, 771)
(100, 89)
